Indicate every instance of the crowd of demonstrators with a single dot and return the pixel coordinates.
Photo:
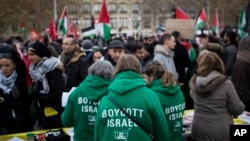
(166, 87)
(129, 89)
(215, 99)
(82, 105)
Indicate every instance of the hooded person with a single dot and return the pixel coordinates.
(48, 83)
(216, 101)
(162, 82)
(129, 89)
(82, 104)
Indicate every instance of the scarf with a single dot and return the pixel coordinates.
(244, 55)
(67, 57)
(7, 83)
(38, 72)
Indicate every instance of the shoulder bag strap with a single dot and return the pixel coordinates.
(129, 116)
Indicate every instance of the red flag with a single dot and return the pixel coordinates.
(52, 29)
(104, 15)
(180, 14)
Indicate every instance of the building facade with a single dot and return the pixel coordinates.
(126, 16)
(135, 16)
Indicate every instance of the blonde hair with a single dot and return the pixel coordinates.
(156, 70)
(127, 62)
(208, 62)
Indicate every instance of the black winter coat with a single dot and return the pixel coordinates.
(49, 105)
(181, 60)
(15, 112)
(241, 81)
(76, 71)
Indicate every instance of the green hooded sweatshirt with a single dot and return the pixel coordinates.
(129, 89)
(82, 105)
(173, 104)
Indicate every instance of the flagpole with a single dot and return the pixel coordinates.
(55, 10)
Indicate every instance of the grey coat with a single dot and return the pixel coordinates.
(215, 102)
(230, 52)
(165, 57)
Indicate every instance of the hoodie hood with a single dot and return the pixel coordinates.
(162, 50)
(156, 86)
(204, 85)
(94, 87)
(126, 81)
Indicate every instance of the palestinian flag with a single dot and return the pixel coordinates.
(23, 30)
(201, 21)
(90, 31)
(63, 21)
(244, 21)
(103, 25)
(180, 14)
(215, 24)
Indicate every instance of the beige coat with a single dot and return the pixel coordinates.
(215, 102)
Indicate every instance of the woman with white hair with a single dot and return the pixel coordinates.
(82, 104)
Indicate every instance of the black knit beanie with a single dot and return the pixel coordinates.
(40, 49)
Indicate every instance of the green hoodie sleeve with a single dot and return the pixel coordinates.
(160, 124)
